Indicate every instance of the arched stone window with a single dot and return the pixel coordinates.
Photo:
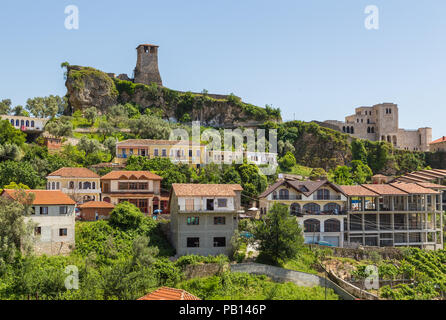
(312, 208)
(71, 185)
(17, 123)
(12, 121)
(368, 129)
(348, 129)
(352, 130)
(332, 208)
(373, 129)
(22, 122)
(343, 129)
(32, 123)
(312, 225)
(87, 185)
(27, 123)
(332, 225)
(295, 209)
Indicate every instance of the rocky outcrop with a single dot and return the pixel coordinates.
(88, 87)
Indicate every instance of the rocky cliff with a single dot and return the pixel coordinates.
(87, 87)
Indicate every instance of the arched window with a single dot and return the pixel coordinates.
(12, 121)
(352, 130)
(368, 129)
(17, 123)
(332, 208)
(312, 225)
(368, 121)
(53, 185)
(71, 184)
(58, 185)
(94, 185)
(295, 209)
(87, 185)
(32, 123)
(332, 225)
(22, 122)
(107, 199)
(343, 129)
(80, 185)
(284, 194)
(27, 123)
(373, 129)
(348, 129)
(312, 208)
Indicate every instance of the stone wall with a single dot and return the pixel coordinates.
(362, 253)
(204, 270)
(284, 275)
(53, 248)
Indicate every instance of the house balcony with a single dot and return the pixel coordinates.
(302, 213)
(287, 197)
(80, 191)
(326, 197)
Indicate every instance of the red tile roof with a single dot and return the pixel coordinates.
(43, 197)
(131, 175)
(442, 139)
(431, 185)
(413, 188)
(74, 172)
(358, 191)
(203, 190)
(384, 189)
(96, 204)
(165, 293)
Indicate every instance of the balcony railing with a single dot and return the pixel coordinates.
(326, 197)
(301, 213)
(287, 197)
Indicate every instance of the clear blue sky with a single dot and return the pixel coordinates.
(314, 59)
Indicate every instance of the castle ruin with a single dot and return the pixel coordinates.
(146, 70)
(380, 123)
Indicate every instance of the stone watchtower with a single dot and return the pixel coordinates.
(146, 70)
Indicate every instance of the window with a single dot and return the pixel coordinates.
(58, 185)
(43, 210)
(63, 232)
(32, 123)
(193, 242)
(312, 225)
(189, 204)
(63, 210)
(332, 225)
(80, 185)
(143, 186)
(33, 210)
(93, 185)
(71, 185)
(123, 185)
(220, 220)
(53, 185)
(37, 231)
(133, 185)
(193, 221)
(222, 203)
(155, 152)
(164, 153)
(219, 242)
(198, 153)
(190, 152)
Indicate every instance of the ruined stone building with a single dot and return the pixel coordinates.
(146, 70)
(380, 123)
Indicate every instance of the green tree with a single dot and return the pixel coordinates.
(20, 111)
(280, 236)
(287, 162)
(359, 152)
(59, 128)
(19, 172)
(5, 106)
(11, 135)
(361, 173)
(126, 216)
(91, 114)
(342, 175)
(150, 127)
(15, 231)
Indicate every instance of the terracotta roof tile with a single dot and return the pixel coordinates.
(442, 139)
(431, 185)
(115, 175)
(96, 204)
(307, 187)
(384, 189)
(203, 190)
(165, 293)
(44, 197)
(358, 191)
(151, 142)
(74, 172)
(413, 188)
